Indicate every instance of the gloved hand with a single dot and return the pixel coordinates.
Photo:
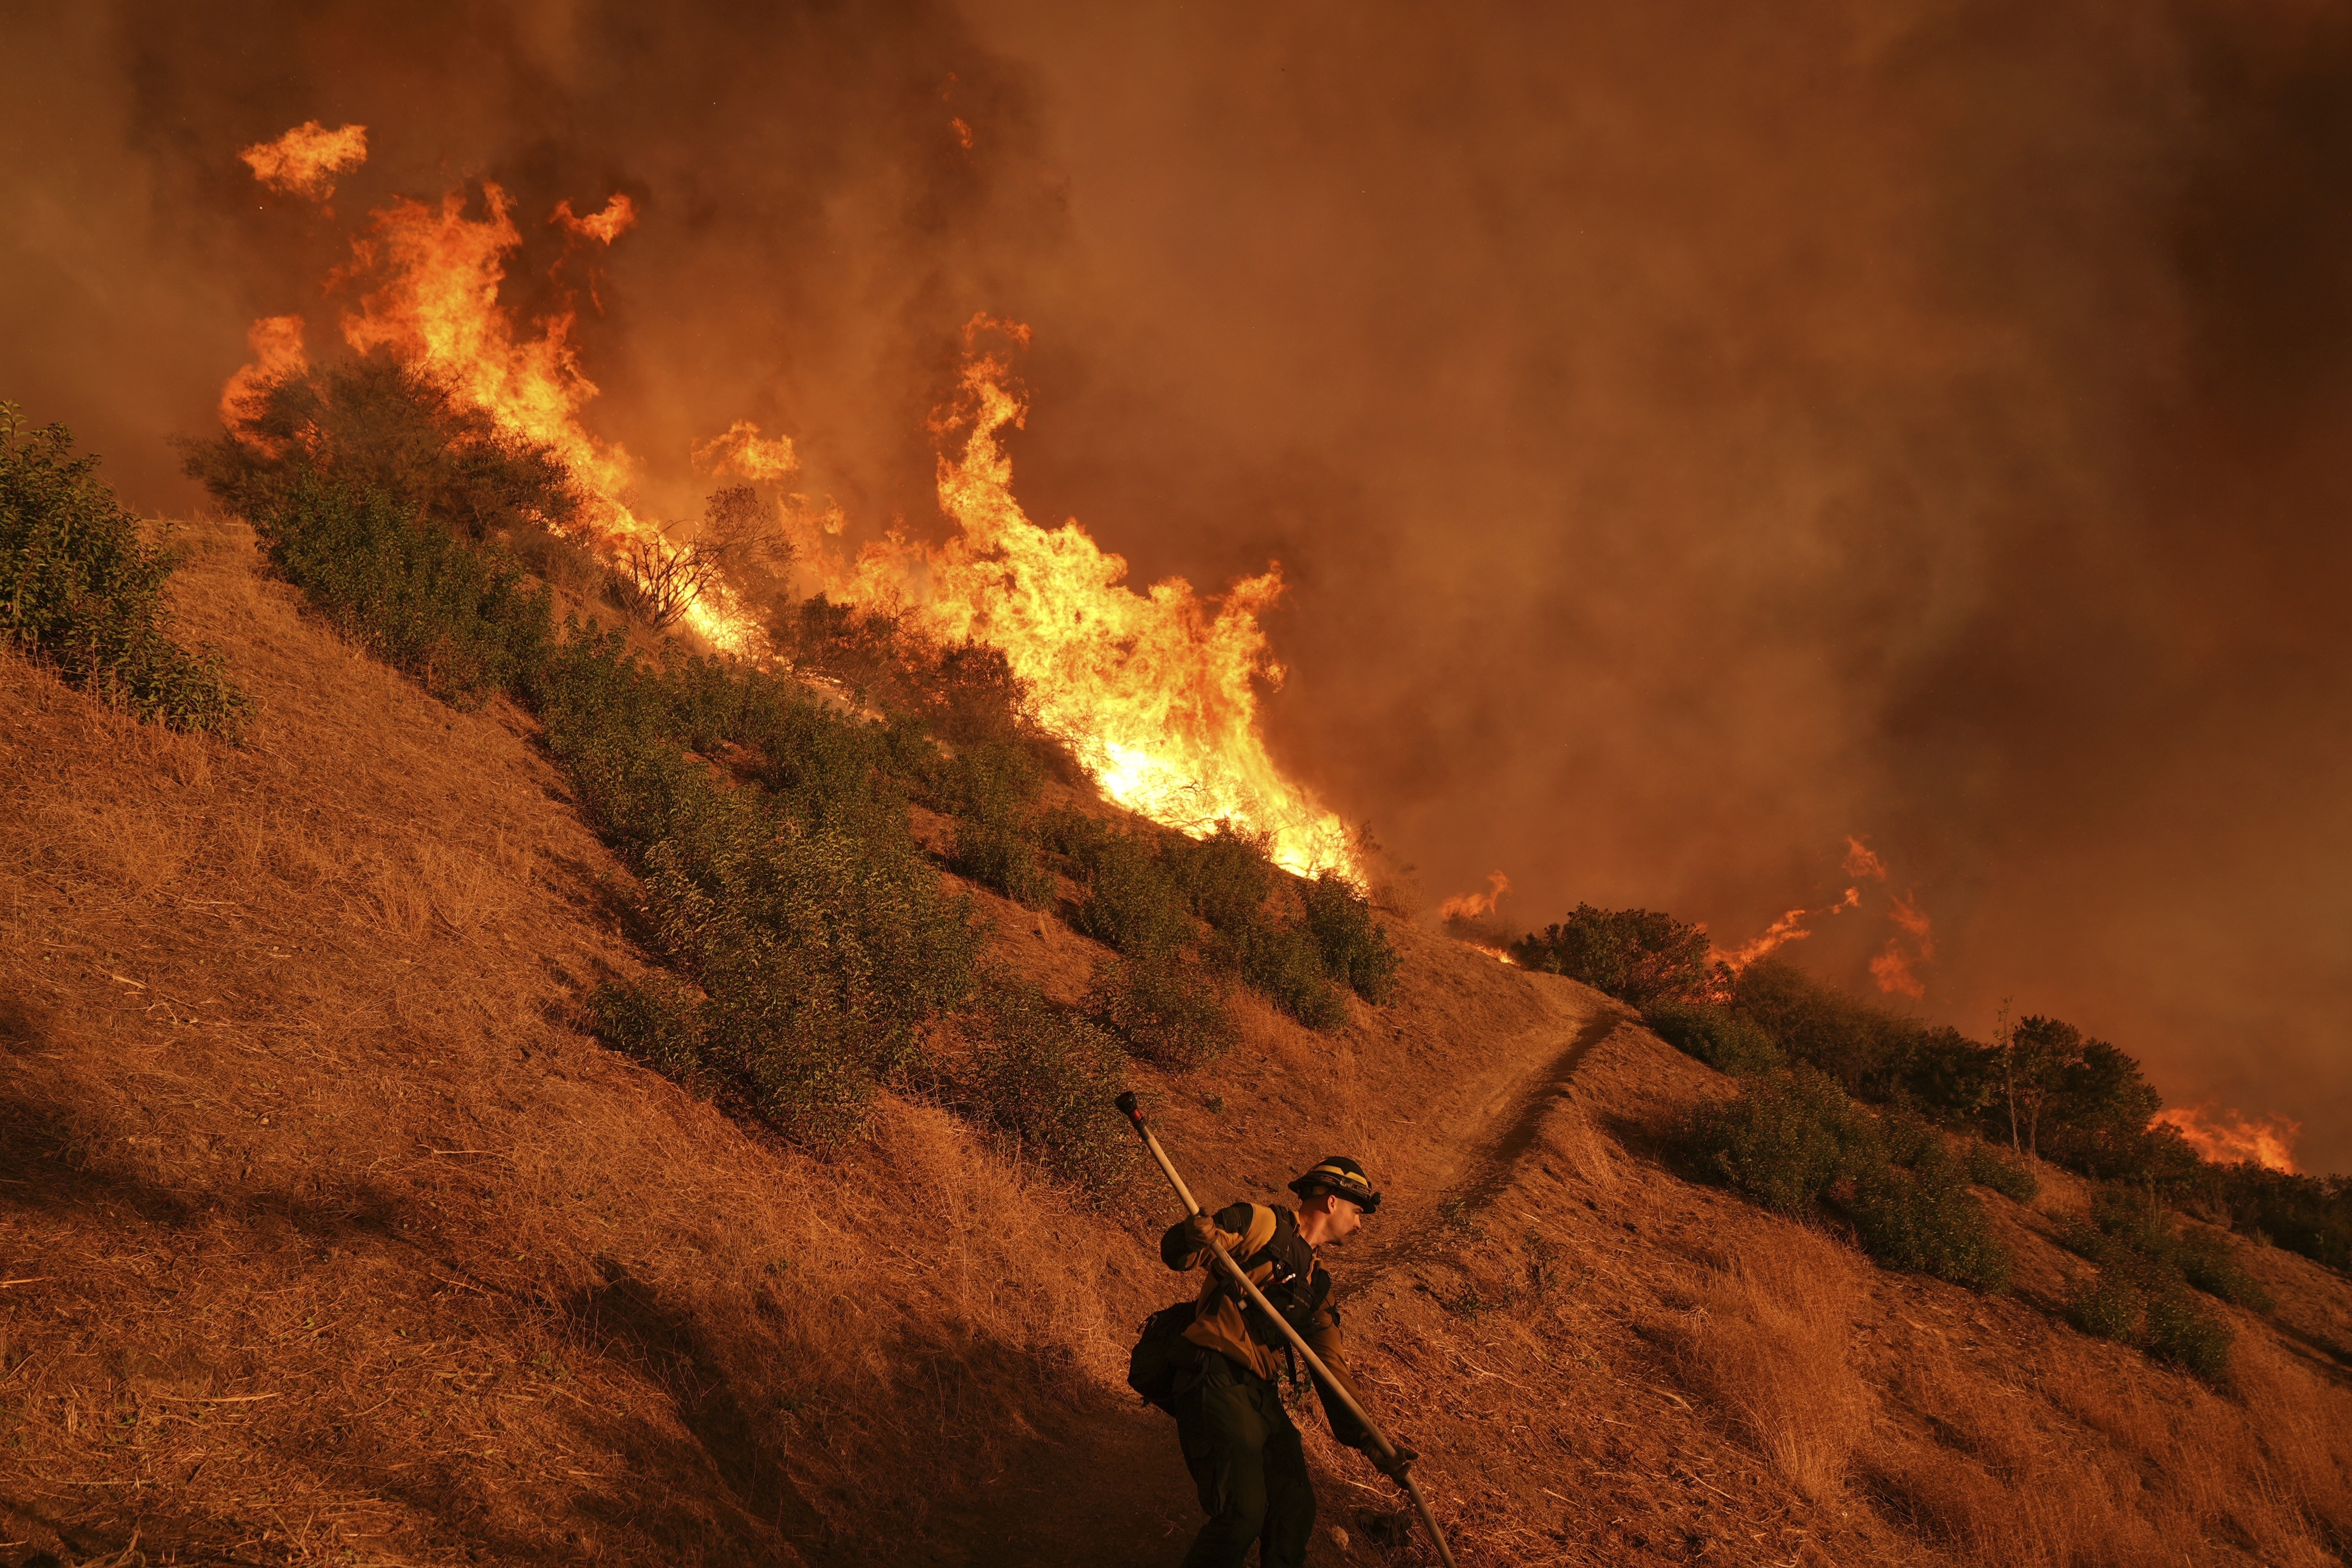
(1201, 1230)
(1392, 1465)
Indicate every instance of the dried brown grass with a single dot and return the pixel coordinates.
(1768, 1342)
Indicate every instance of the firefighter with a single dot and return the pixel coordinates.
(1239, 1442)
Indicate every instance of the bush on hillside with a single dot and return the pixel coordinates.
(371, 426)
(2147, 1271)
(1636, 956)
(1285, 963)
(1044, 1080)
(1130, 905)
(2311, 1215)
(1794, 1143)
(1166, 1012)
(1989, 1166)
(1911, 1206)
(467, 624)
(2135, 1299)
(1225, 878)
(83, 593)
(1727, 1041)
(997, 856)
(1355, 951)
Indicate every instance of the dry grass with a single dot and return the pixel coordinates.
(329, 1239)
(1768, 1342)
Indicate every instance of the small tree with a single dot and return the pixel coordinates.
(1637, 956)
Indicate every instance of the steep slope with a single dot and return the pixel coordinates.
(327, 1235)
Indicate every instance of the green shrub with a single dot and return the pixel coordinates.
(993, 782)
(2106, 1306)
(1356, 950)
(2003, 1172)
(2184, 1330)
(2212, 1265)
(1130, 903)
(1921, 1216)
(466, 623)
(2141, 1293)
(1225, 878)
(1780, 1143)
(659, 1022)
(373, 425)
(83, 593)
(1725, 1041)
(1165, 1012)
(1794, 1141)
(1044, 1080)
(1636, 956)
(1285, 963)
(998, 857)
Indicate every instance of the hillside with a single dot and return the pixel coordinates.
(329, 1235)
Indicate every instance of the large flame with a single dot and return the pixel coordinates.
(2226, 1136)
(433, 306)
(1155, 691)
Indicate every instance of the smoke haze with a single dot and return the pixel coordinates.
(1692, 435)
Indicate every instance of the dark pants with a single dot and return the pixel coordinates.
(1245, 1458)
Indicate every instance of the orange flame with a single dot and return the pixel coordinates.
(305, 161)
(277, 345)
(1154, 691)
(1500, 956)
(619, 215)
(1473, 906)
(962, 132)
(741, 449)
(2228, 1137)
(1860, 860)
(1788, 928)
(435, 309)
(1892, 969)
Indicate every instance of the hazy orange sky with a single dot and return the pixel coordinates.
(1693, 434)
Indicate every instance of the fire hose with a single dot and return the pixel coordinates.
(1126, 1103)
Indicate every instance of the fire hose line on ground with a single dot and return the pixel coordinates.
(1127, 1103)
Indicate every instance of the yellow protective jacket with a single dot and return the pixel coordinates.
(1266, 1243)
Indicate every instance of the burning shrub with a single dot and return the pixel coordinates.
(83, 593)
(1724, 1040)
(373, 426)
(1167, 1014)
(1045, 1081)
(1636, 956)
(466, 623)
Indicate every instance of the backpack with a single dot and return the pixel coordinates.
(1161, 1353)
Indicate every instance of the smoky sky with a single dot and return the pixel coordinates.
(1692, 434)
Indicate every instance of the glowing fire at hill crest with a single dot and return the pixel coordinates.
(1156, 691)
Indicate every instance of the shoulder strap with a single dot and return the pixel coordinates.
(1264, 1222)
